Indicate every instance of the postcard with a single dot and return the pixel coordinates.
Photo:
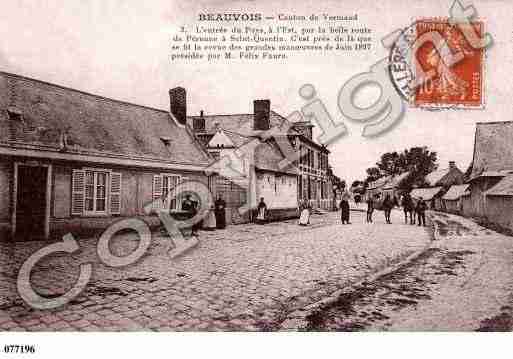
(255, 166)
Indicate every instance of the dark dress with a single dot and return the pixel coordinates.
(220, 213)
(344, 211)
(261, 213)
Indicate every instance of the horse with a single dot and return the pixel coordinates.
(409, 209)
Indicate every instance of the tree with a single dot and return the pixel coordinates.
(373, 174)
(419, 161)
(335, 180)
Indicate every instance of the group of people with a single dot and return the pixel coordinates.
(415, 210)
(214, 219)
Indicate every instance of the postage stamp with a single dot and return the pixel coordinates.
(452, 85)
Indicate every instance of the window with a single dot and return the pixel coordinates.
(96, 192)
(216, 155)
(168, 183)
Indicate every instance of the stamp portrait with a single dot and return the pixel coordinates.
(458, 85)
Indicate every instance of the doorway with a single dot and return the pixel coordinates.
(31, 202)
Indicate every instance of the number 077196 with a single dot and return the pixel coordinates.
(19, 349)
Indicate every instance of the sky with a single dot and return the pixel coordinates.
(120, 49)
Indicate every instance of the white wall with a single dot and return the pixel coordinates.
(278, 191)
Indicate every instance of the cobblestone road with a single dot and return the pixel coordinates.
(247, 277)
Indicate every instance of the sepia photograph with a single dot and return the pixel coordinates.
(295, 168)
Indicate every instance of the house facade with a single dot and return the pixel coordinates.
(241, 140)
(491, 179)
(75, 162)
(315, 185)
(388, 185)
(452, 200)
(442, 178)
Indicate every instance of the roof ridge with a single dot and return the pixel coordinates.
(235, 133)
(81, 92)
(492, 123)
(224, 115)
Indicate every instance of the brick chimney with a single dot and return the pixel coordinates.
(262, 112)
(452, 165)
(178, 104)
(198, 124)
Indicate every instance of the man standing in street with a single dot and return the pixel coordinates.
(220, 212)
(370, 209)
(421, 211)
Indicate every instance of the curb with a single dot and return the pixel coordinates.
(296, 320)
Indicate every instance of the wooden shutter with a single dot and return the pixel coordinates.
(77, 192)
(115, 193)
(157, 190)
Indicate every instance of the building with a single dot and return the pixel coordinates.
(75, 162)
(490, 183)
(443, 178)
(452, 201)
(394, 187)
(241, 139)
(389, 185)
(377, 187)
(446, 177)
(431, 195)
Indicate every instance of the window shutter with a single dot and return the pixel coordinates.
(157, 191)
(77, 192)
(115, 193)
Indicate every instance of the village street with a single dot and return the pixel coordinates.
(279, 276)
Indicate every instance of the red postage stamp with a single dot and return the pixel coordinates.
(451, 85)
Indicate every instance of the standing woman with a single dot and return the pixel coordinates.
(262, 211)
(220, 212)
(304, 210)
(344, 209)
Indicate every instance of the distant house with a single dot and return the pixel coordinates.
(388, 185)
(443, 178)
(431, 195)
(239, 138)
(75, 162)
(452, 200)
(377, 187)
(395, 186)
(491, 194)
(446, 177)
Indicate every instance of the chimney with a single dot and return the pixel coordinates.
(198, 124)
(452, 164)
(178, 104)
(262, 111)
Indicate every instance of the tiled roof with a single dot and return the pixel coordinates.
(493, 150)
(238, 123)
(434, 177)
(268, 157)
(455, 192)
(426, 193)
(237, 139)
(503, 188)
(94, 124)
